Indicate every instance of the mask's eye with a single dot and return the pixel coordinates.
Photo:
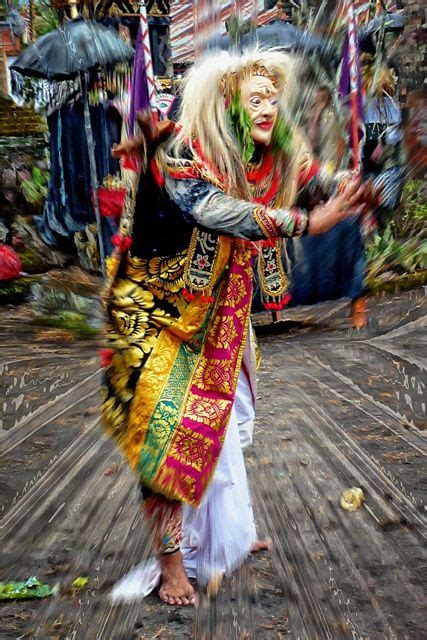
(255, 101)
(274, 102)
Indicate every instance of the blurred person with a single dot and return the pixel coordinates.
(324, 130)
(383, 155)
(333, 265)
(179, 382)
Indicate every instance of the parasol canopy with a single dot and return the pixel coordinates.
(285, 36)
(78, 46)
(392, 22)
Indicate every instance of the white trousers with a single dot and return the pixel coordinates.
(217, 537)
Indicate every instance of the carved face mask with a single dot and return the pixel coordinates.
(259, 97)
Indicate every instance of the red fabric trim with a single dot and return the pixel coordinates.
(305, 176)
(111, 201)
(131, 161)
(180, 174)
(208, 163)
(157, 175)
(272, 192)
(263, 170)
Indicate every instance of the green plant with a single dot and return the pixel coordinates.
(16, 291)
(34, 189)
(410, 220)
(74, 322)
(387, 253)
(46, 18)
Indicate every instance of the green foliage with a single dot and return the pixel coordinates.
(34, 189)
(282, 136)
(74, 322)
(241, 125)
(411, 218)
(14, 291)
(31, 588)
(64, 309)
(46, 19)
(32, 261)
(403, 246)
(387, 253)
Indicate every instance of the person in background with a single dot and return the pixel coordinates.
(332, 265)
(383, 154)
(324, 131)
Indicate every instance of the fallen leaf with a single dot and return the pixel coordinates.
(80, 583)
(352, 499)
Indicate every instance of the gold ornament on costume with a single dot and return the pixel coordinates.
(230, 81)
(259, 70)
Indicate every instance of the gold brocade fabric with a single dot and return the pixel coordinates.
(144, 300)
(146, 309)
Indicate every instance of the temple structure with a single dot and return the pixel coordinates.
(11, 27)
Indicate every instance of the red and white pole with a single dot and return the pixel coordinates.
(145, 33)
(354, 82)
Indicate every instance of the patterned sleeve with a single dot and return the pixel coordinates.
(210, 208)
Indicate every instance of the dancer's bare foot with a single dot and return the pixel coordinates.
(261, 545)
(176, 588)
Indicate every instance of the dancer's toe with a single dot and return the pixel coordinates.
(176, 588)
(261, 545)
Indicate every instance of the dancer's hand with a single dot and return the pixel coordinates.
(348, 202)
(151, 135)
(372, 198)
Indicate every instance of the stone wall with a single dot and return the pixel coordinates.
(19, 121)
(412, 61)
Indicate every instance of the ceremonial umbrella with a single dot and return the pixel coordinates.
(285, 36)
(71, 51)
(389, 22)
(393, 22)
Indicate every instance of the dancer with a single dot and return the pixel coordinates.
(179, 387)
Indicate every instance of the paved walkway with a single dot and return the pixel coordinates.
(336, 410)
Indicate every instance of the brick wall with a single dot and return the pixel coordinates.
(19, 121)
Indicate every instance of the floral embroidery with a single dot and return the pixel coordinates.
(200, 267)
(163, 276)
(210, 411)
(274, 282)
(155, 402)
(214, 375)
(190, 448)
(236, 290)
(223, 332)
(202, 261)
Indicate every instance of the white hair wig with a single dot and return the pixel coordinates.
(203, 114)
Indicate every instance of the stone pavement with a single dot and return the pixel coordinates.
(336, 410)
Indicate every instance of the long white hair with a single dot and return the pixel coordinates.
(203, 115)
